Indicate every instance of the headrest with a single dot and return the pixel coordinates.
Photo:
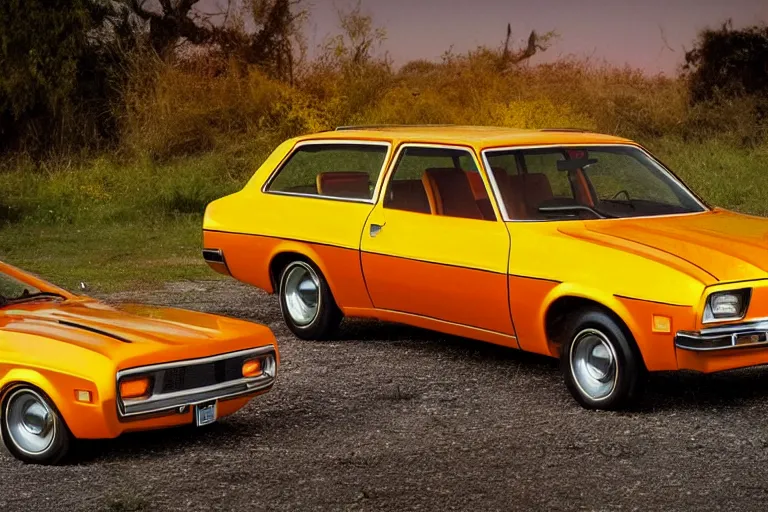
(351, 184)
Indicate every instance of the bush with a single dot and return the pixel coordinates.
(727, 63)
(58, 67)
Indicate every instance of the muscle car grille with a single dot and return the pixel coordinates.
(175, 386)
(200, 375)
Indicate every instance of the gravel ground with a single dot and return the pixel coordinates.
(390, 417)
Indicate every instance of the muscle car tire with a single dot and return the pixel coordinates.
(306, 302)
(32, 429)
(601, 366)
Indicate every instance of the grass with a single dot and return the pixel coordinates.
(108, 257)
(115, 224)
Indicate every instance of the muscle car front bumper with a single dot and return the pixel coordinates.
(180, 385)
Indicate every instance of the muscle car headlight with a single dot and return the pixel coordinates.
(730, 305)
(137, 387)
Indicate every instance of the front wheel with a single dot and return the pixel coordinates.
(32, 429)
(306, 302)
(601, 366)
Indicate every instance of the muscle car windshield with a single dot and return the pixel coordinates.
(12, 289)
(562, 183)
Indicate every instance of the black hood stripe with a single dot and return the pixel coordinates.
(94, 330)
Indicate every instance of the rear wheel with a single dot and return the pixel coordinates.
(32, 429)
(601, 365)
(306, 302)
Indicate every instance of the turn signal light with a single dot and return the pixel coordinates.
(135, 388)
(662, 323)
(252, 368)
(84, 396)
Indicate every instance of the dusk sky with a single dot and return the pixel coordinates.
(619, 32)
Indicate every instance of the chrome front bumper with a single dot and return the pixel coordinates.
(744, 335)
(179, 401)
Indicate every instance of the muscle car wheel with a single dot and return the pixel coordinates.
(601, 366)
(306, 302)
(32, 429)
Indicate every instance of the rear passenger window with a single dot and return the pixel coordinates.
(345, 171)
(438, 181)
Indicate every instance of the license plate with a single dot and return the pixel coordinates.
(205, 414)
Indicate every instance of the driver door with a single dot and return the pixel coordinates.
(434, 246)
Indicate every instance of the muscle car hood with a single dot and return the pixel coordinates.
(134, 334)
(726, 245)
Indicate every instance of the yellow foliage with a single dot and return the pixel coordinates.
(204, 104)
(536, 114)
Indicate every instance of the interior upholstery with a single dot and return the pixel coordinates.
(525, 193)
(477, 185)
(352, 184)
(511, 190)
(449, 193)
(581, 189)
(501, 176)
(537, 189)
(408, 195)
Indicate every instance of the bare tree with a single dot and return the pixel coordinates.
(271, 43)
(536, 43)
(173, 22)
(359, 36)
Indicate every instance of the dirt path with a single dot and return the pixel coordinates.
(389, 417)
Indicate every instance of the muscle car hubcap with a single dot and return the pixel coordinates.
(302, 293)
(593, 364)
(30, 422)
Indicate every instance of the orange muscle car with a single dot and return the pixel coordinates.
(74, 368)
(560, 242)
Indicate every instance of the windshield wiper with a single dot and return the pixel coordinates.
(33, 296)
(574, 208)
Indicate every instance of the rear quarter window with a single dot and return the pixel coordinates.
(345, 171)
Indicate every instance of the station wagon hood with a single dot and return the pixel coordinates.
(726, 245)
(142, 334)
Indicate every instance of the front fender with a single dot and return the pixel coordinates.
(85, 420)
(657, 347)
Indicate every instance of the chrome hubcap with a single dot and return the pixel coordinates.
(30, 422)
(302, 294)
(593, 364)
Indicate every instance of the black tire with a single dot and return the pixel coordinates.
(593, 337)
(54, 450)
(327, 316)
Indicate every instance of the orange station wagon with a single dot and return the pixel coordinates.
(74, 368)
(559, 242)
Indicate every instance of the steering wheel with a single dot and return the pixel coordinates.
(620, 192)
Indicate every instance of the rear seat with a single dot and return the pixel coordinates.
(351, 184)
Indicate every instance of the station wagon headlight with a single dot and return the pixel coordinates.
(730, 305)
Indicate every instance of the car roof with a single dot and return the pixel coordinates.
(479, 136)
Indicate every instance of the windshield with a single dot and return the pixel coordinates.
(561, 183)
(12, 289)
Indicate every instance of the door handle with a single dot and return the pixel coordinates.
(376, 228)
